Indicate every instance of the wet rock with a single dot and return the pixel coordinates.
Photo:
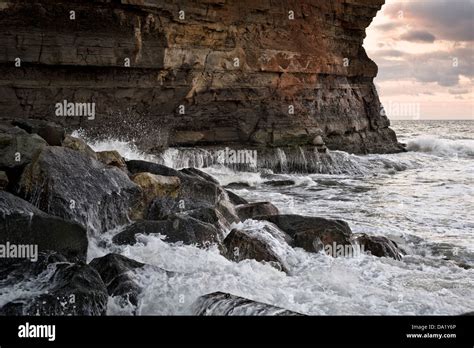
(112, 158)
(318, 140)
(3, 180)
(21, 223)
(195, 192)
(278, 183)
(17, 147)
(163, 207)
(78, 145)
(51, 132)
(153, 187)
(17, 270)
(64, 288)
(116, 272)
(236, 199)
(71, 185)
(180, 228)
(209, 215)
(264, 243)
(138, 166)
(312, 233)
(379, 246)
(219, 303)
(199, 173)
(251, 210)
(237, 185)
(226, 208)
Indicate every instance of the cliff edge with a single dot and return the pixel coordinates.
(201, 73)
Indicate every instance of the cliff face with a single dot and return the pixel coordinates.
(221, 72)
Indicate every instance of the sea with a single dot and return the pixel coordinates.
(423, 199)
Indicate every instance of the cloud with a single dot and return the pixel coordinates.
(458, 91)
(446, 19)
(418, 36)
(425, 53)
(389, 53)
(442, 67)
(387, 26)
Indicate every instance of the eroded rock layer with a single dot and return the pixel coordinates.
(200, 72)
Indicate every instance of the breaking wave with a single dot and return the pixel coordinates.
(421, 199)
(442, 147)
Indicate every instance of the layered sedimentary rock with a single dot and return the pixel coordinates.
(261, 74)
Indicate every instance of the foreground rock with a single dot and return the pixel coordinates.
(51, 132)
(251, 210)
(3, 180)
(200, 174)
(17, 149)
(235, 198)
(112, 158)
(278, 183)
(116, 272)
(264, 243)
(71, 185)
(154, 187)
(179, 228)
(209, 215)
(79, 145)
(66, 289)
(219, 303)
(312, 233)
(195, 192)
(23, 224)
(379, 246)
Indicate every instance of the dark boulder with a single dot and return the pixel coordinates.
(138, 166)
(179, 228)
(206, 214)
(79, 145)
(154, 187)
(219, 303)
(195, 191)
(200, 174)
(277, 183)
(162, 207)
(65, 288)
(3, 180)
(263, 243)
(237, 185)
(112, 158)
(235, 199)
(17, 149)
(71, 185)
(52, 133)
(210, 215)
(21, 223)
(312, 233)
(379, 246)
(251, 210)
(115, 270)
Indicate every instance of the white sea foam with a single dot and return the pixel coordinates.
(443, 147)
(125, 148)
(422, 199)
(319, 284)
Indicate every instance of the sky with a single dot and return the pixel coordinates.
(425, 51)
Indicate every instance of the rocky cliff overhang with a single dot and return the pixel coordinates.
(198, 73)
